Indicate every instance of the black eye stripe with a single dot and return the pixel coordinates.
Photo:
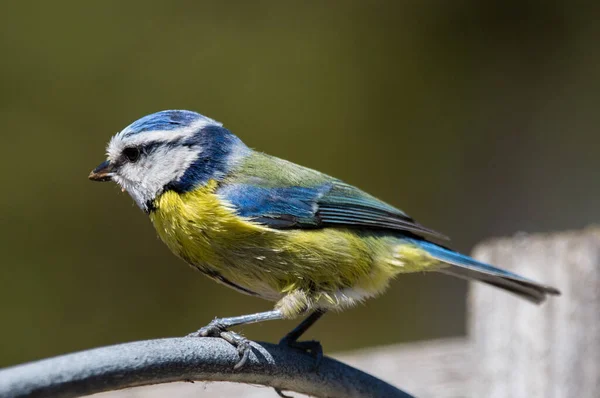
(151, 147)
(133, 153)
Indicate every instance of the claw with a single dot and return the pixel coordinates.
(242, 344)
(243, 347)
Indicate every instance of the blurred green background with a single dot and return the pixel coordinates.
(477, 118)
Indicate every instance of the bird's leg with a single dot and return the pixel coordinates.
(218, 328)
(219, 325)
(311, 346)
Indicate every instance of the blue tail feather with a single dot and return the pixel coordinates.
(465, 267)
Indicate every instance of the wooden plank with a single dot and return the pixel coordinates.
(522, 350)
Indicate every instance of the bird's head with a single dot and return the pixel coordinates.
(169, 150)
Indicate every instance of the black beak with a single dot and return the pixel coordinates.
(102, 173)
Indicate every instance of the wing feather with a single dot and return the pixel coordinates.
(283, 195)
(357, 208)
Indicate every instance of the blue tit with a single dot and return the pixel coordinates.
(273, 229)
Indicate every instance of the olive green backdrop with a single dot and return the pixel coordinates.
(477, 118)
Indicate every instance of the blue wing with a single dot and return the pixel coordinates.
(345, 205)
(277, 207)
(328, 204)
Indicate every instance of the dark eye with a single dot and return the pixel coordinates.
(132, 154)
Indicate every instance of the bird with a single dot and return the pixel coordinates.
(273, 229)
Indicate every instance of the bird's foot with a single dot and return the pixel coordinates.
(216, 329)
(213, 329)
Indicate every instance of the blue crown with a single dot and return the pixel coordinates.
(165, 120)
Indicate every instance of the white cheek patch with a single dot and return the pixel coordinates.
(146, 179)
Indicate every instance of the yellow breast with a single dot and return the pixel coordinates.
(194, 223)
(198, 227)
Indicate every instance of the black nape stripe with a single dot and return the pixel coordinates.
(150, 206)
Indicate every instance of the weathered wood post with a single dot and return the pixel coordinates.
(522, 350)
